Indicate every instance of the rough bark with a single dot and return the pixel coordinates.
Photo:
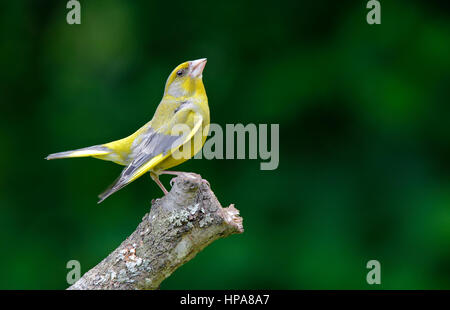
(178, 226)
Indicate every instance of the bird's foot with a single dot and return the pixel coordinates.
(181, 173)
(191, 175)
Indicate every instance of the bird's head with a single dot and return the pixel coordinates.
(186, 79)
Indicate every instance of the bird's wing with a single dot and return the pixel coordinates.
(154, 148)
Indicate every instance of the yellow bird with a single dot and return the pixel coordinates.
(176, 132)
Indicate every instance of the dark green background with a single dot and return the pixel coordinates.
(364, 137)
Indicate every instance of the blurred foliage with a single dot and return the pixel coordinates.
(364, 137)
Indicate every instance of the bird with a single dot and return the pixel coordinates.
(177, 132)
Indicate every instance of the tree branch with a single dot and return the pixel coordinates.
(178, 226)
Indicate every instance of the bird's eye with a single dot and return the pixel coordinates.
(180, 72)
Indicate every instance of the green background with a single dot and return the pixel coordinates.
(363, 110)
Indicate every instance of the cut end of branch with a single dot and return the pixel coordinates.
(232, 218)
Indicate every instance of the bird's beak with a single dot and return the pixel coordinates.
(197, 67)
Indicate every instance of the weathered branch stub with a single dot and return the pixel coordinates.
(178, 226)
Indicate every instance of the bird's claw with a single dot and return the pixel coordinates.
(189, 175)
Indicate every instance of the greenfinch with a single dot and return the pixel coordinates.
(157, 145)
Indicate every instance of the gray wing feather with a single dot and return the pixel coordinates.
(152, 144)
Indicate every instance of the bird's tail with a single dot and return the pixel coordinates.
(96, 150)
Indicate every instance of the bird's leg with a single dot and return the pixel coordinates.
(181, 173)
(157, 181)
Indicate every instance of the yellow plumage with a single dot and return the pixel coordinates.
(176, 132)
